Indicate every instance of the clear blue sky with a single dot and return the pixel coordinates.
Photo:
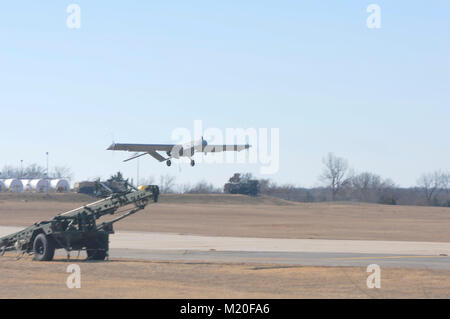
(138, 69)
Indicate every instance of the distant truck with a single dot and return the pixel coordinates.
(85, 188)
(93, 189)
(244, 186)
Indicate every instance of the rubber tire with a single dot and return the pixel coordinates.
(48, 250)
(98, 251)
(96, 254)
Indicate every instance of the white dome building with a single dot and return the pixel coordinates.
(26, 185)
(60, 185)
(13, 185)
(40, 185)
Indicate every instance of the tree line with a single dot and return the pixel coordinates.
(35, 171)
(341, 183)
(338, 183)
(167, 185)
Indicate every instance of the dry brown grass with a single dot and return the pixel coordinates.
(146, 279)
(219, 215)
(232, 216)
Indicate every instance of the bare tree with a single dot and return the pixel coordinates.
(364, 185)
(150, 180)
(10, 171)
(335, 174)
(432, 184)
(447, 183)
(447, 188)
(167, 184)
(203, 187)
(35, 171)
(184, 188)
(368, 187)
(62, 172)
(265, 186)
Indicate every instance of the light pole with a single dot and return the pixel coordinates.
(137, 174)
(46, 153)
(47, 165)
(21, 169)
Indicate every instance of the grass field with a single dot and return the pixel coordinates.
(230, 215)
(169, 279)
(242, 216)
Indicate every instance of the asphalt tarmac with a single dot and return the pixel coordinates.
(287, 259)
(274, 252)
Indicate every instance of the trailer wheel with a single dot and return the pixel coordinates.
(96, 254)
(43, 248)
(99, 250)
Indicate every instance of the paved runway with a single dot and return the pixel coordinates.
(287, 259)
(293, 252)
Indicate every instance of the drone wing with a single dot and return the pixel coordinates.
(140, 147)
(151, 149)
(211, 148)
